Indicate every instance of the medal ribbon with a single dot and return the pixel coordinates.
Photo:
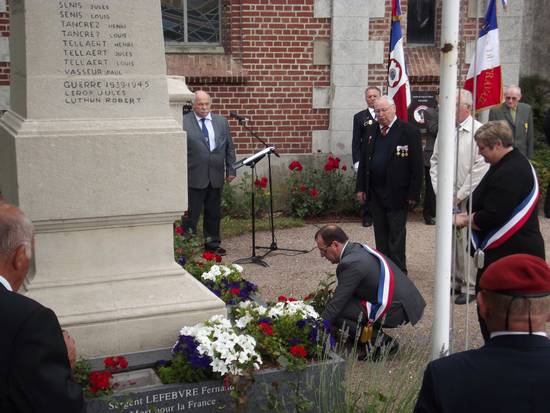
(385, 289)
(520, 215)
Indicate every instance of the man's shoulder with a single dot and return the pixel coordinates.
(361, 113)
(19, 306)
(525, 106)
(216, 117)
(407, 127)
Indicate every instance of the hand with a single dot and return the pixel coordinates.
(361, 197)
(71, 348)
(461, 220)
(229, 178)
(356, 166)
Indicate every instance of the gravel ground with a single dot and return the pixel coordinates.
(296, 275)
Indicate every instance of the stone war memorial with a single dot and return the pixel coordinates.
(91, 153)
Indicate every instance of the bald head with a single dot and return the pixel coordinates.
(16, 235)
(512, 96)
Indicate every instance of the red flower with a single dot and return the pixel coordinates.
(313, 192)
(332, 163)
(180, 230)
(266, 328)
(308, 297)
(344, 168)
(99, 380)
(295, 165)
(235, 291)
(290, 299)
(209, 256)
(257, 183)
(298, 351)
(303, 188)
(281, 298)
(218, 258)
(109, 362)
(263, 182)
(122, 362)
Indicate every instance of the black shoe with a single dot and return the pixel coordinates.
(367, 222)
(429, 221)
(464, 298)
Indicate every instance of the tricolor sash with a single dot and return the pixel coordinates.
(385, 288)
(519, 216)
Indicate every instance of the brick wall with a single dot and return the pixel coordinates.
(267, 73)
(4, 32)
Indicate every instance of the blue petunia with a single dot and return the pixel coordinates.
(301, 323)
(294, 341)
(182, 260)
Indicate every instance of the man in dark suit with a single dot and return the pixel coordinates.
(363, 122)
(358, 273)
(520, 119)
(389, 178)
(547, 133)
(510, 372)
(210, 157)
(35, 356)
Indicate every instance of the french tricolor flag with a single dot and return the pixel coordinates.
(486, 64)
(398, 81)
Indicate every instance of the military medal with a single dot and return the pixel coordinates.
(479, 258)
(368, 123)
(366, 334)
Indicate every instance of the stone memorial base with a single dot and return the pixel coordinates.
(317, 388)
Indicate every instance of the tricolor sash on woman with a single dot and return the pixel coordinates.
(519, 217)
(385, 289)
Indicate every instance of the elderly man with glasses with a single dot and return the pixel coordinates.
(519, 117)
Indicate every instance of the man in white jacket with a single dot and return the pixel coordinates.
(468, 175)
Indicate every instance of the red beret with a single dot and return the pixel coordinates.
(518, 275)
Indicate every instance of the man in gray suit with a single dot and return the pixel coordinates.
(210, 156)
(520, 118)
(360, 273)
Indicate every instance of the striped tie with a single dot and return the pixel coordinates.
(205, 131)
(385, 130)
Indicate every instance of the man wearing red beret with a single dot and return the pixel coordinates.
(510, 373)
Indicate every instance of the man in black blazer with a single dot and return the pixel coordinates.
(363, 122)
(390, 177)
(210, 157)
(358, 274)
(547, 133)
(35, 356)
(510, 372)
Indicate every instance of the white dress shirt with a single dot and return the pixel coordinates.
(211, 135)
(5, 283)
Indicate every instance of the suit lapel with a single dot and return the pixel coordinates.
(199, 130)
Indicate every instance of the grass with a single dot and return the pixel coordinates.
(232, 227)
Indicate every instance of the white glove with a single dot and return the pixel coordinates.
(356, 166)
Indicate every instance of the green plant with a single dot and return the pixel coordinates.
(237, 199)
(180, 370)
(322, 294)
(318, 192)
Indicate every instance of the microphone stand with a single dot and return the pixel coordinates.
(273, 246)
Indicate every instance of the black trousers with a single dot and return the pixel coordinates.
(429, 195)
(390, 230)
(207, 199)
(547, 202)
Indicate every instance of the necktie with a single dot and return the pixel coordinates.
(205, 132)
(513, 114)
(385, 130)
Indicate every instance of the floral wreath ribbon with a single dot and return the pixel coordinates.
(384, 295)
(500, 235)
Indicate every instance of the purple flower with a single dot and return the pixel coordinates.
(199, 361)
(294, 342)
(301, 323)
(312, 336)
(182, 260)
(265, 320)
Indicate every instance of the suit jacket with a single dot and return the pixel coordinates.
(204, 166)
(35, 376)
(502, 189)
(522, 128)
(404, 174)
(358, 276)
(508, 374)
(547, 125)
(363, 122)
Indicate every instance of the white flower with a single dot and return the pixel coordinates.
(237, 267)
(243, 321)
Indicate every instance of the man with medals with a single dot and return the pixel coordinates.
(510, 372)
(504, 205)
(372, 292)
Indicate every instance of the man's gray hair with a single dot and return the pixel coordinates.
(15, 230)
(466, 97)
(387, 99)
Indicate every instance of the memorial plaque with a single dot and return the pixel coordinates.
(94, 58)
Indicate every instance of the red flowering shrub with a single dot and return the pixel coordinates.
(281, 298)
(313, 192)
(261, 183)
(332, 164)
(98, 382)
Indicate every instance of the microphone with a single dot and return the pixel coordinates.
(235, 115)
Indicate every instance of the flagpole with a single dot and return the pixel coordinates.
(444, 201)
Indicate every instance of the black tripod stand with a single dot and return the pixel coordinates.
(251, 161)
(273, 247)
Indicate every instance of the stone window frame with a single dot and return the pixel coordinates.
(178, 46)
(411, 41)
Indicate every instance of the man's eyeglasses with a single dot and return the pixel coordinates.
(511, 98)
